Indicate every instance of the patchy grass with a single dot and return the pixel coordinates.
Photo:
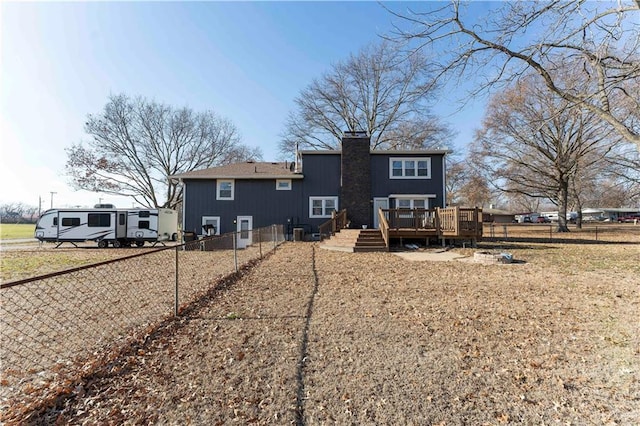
(12, 231)
(25, 263)
(551, 339)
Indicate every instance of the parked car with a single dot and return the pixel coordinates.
(543, 219)
(629, 218)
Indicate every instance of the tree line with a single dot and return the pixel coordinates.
(18, 213)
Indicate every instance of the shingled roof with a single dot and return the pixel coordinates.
(246, 170)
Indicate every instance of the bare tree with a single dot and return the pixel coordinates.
(465, 186)
(455, 181)
(137, 144)
(536, 144)
(602, 39)
(377, 90)
(523, 204)
(476, 190)
(17, 213)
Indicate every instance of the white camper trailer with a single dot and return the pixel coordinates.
(118, 227)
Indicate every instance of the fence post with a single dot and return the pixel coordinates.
(260, 241)
(177, 300)
(550, 232)
(273, 235)
(235, 250)
(596, 232)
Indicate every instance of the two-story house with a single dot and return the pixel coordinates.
(249, 195)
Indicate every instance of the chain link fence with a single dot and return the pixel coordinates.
(595, 232)
(54, 324)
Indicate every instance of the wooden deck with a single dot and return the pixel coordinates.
(442, 223)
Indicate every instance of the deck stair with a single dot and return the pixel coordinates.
(356, 240)
(370, 240)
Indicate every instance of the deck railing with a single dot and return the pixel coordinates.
(384, 227)
(338, 221)
(443, 222)
(411, 218)
(460, 222)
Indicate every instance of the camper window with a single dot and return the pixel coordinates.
(143, 213)
(99, 219)
(143, 224)
(70, 221)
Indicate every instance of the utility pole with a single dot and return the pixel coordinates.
(39, 205)
(52, 192)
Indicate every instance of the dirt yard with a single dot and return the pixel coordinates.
(311, 336)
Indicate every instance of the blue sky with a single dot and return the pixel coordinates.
(245, 60)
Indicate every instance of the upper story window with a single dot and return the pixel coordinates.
(322, 206)
(283, 184)
(410, 168)
(224, 190)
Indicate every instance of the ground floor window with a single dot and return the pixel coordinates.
(320, 207)
(210, 225)
(411, 203)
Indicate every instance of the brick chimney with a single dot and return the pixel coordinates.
(356, 178)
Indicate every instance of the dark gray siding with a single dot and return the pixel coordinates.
(256, 198)
(259, 198)
(321, 178)
(382, 185)
(199, 198)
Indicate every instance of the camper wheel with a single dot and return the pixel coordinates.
(103, 243)
(174, 237)
(117, 243)
(139, 243)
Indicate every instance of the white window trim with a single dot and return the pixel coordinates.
(312, 199)
(233, 188)
(215, 218)
(287, 181)
(404, 159)
(412, 199)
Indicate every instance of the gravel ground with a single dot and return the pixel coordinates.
(310, 336)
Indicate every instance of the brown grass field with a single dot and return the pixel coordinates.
(310, 336)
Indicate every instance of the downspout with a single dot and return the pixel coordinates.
(444, 180)
(184, 205)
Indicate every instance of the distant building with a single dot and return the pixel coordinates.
(497, 216)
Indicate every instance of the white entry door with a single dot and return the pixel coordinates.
(245, 225)
(379, 203)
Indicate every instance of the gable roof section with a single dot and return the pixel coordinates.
(246, 170)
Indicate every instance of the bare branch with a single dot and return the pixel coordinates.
(377, 90)
(137, 144)
(496, 50)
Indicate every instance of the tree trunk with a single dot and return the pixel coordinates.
(563, 196)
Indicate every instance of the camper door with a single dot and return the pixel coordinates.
(121, 227)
